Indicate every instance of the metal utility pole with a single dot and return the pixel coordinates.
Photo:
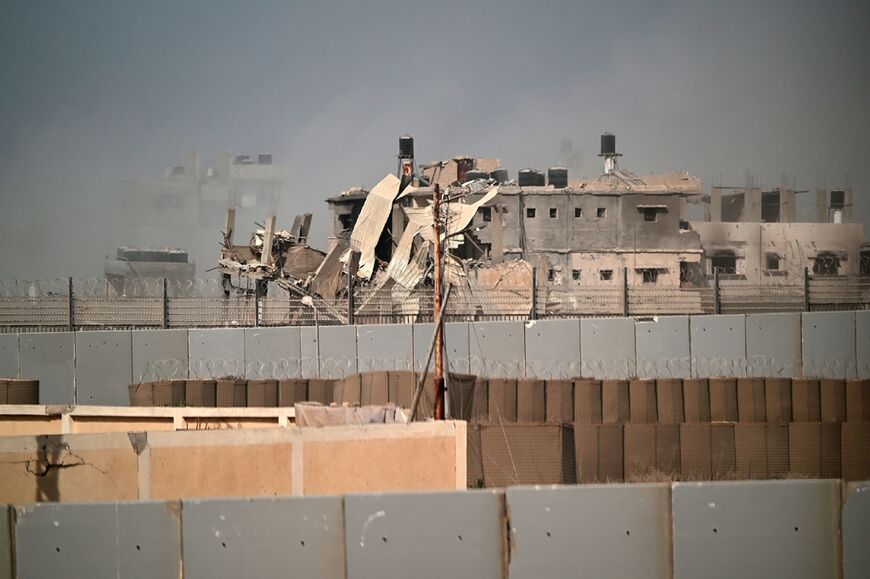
(437, 305)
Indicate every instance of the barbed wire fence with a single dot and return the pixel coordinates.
(64, 304)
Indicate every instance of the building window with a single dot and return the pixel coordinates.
(578, 212)
(772, 262)
(650, 214)
(554, 213)
(530, 212)
(346, 221)
(864, 263)
(602, 212)
(826, 264)
(724, 262)
(487, 213)
(551, 275)
(649, 275)
(606, 274)
(575, 274)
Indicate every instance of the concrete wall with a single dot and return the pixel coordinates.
(94, 367)
(232, 463)
(730, 529)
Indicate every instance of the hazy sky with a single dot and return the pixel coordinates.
(96, 92)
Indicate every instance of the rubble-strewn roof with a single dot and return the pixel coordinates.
(621, 180)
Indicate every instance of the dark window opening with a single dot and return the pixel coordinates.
(606, 274)
(770, 207)
(650, 214)
(530, 212)
(554, 213)
(724, 263)
(578, 212)
(346, 221)
(486, 212)
(551, 275)
(772, 262)
(826, 264)
(649, 275)
(601, 212)
(575, 274)
(864, 263)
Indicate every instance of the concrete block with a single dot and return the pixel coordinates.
(553, 349)
(272, 353)
(385, 347)
(607, 348)
(160, 355)
(497, 349)
(104, 367)
(456, 345)
(425, 535)
(338, 354)
(8, 355)
(756, 529)
(862, 343)
(610, 530)
(264, 537)
(136, 540)
(718, 346)
(773, 345)
(856, 532)
(828, 340)
(309, 352)
(49, 358)
(663, 347)
(216, 352)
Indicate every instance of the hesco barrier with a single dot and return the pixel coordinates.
(796, 529)
(96, 367)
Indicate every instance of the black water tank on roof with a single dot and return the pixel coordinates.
(500, 176)
(608, 144)
(475, 174)
(406, 147)
(558, 177)
(527, 178)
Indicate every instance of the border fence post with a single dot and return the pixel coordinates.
(533, 315)
(625, 292)
(165, 303)
(72, 307)
(806, 289)
(350, 301)
(717, 299)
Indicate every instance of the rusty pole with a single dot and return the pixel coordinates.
(437, 305)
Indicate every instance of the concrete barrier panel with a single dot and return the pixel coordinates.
(718, 346)
(310, 352)
(456, 344)
(268, 537)
(338, 354)
(218, 352)
(553, 349)
(497, 349)
(425, 535)
(856, 532)
(135, 540)
(49, 358)
(8, 355)
(862, 343)
(385, 347)
(663, 347)
(829, 345)
(607, 348)
(160, 355)
(756, 529)
(773, 345)
(590, 531)
(5, 542)
(104, 367)
(272, 353)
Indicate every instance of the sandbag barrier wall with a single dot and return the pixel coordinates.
(95, 367)
(667, 429)
(796, 529)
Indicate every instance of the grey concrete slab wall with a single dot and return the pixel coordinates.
(718, 346)
(130, 540)
(456, 346)
(553, 349)
(385, 347)
(5, 542)
(497, 349)
(273, 353)
(856, 532)
(425, 535)
(773, 345)
(49, 358)
(104, 367)
(590, 531)
(338, 354)
(160, 355)
(607, 348)
(756, 529)
(309, 349)
(8, 355)
(662, 346)
(215, 353)
(264, 538)
(829, 345)
(862, 343)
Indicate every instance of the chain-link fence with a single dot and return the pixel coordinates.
(62, 304)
